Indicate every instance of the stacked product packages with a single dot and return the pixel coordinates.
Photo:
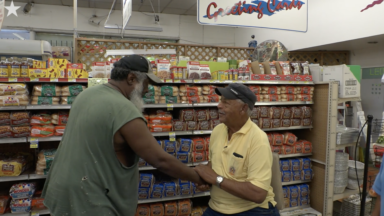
(298, 169)
(151, 188)
(14, 124)
(287, 143)
(21, 194)
(13, 94)
(52, 94)
(182, 94)
(14, 164)
(341, 172)
(185, 150)
(44, 161)
(296, 195)
(46, 125)
(268, 93)
(277, 117)
(173, 208)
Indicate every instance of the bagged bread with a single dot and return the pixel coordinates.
(285, 122)
(213, 113)
(211, 99)
(59, 130)
(202, 114)
(198, 157)
(143, 210)
(296, 68)
(307, 111)
(157, 209)
(306, 90)
(169, 91)
(285, 67)
(5, 132)
(72, 90)
(259, 98)
(46, 90)
(13, 164)
(304, 97)
(14, 100)
(286, 113)
(153, 91)
(179, 125)
(209, 90)
(13, 89)
(271, 98)
(170, 208)
(297, 147)
(204, 125)
(265, 123)
(160, 117)
(5, 118)
(288, 97)
(264, 112)
(67, 100)
(198, 144)
(192, 125)
(276, 123)
(306, 122)
(197, 211)
(156, 127)
(277, 149)
(255, 89)
(60, 118)
(44, 161)
(275, 112)
(270, 90)
(296, 112)
(277, 139)
(42, 131)
(286, 149)
(45, 100)
(255, 113)
(190, 91)
(19, 118)
(169, 99)
(190, 100)
(270, 138)
(288, 90)
(21, 131)
(306, 146)
(184, 207)
(149, 100)
(295, 122)
(289, 138)
(187, 115)
(41, 119)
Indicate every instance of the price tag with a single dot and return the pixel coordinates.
(212, 81)
(169, 107)
(12, 79)
(54, 80)
(306, 82)
(172, 139)
(172, 136)
(34, 79)
(34, 143)
(177, 81)
(71, 80)
(97, 81)
(35, 214)
(168, 81)
(308, 102)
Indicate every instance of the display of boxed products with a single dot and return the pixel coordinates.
(349, 83)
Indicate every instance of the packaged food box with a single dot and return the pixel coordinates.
(305, 163)
(185, 187)
(295, 164)
(285, 165)
(170, 146)
(157, 191)
(22, 190)
(143, 210)
(37, 73)
(296, 175)
(157, 209)
(286, 176)
(198, 144)
(306, 175)
(184, 157)
(293, 192)
(304, 190)
(143, 193)
(170, 189)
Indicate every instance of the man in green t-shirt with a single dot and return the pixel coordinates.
(95, 168)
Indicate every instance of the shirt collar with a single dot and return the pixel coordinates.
(245, 128)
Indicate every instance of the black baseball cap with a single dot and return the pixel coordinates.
(141, 64)
(238, 91)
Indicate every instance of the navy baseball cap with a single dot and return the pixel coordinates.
(238, 91)
(139, 63)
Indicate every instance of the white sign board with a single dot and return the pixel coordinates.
(1, 12)
(290, 15)
(127, 12)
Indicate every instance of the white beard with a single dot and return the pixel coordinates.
(136, 98)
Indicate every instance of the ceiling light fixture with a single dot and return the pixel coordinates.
(372, 42)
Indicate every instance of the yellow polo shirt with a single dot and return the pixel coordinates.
(255, 166)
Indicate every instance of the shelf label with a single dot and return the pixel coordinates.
(172, 136)
(34, 143)
(54, 80)
(12, 79)
(169, 107)
(168, 81)
(177, 81)
(34, 79)
(96, 81)
(35, 214)
(71, 80)
(308, 102)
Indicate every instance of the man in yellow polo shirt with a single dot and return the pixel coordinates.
(240, 166)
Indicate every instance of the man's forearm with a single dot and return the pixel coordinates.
(244, 190)
(376, 211)
(173, 167)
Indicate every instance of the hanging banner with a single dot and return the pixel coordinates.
(290, 15)
(1, 12)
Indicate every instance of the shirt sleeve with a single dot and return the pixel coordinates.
(378, 181)
(125, 115)
(260, 163)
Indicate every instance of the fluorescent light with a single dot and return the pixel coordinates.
(140, 52)
(17, 35)
(135, 28)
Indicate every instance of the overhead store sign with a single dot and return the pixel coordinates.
(1, 12)
(291, 15)
(127, 12)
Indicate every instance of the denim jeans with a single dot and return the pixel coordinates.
(272, 211)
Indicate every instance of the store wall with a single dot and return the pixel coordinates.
(59, 19)
(372, 56)
(329, 21)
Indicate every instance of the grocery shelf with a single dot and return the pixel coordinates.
(173, 198)
(40, 212)
(198, 163)
(277, 103)
(45, 139)
(295, 155)
(343, 100)
(188, 164)
(345, 194)
(294, 182)
(288, 128)
(18, 214)
(47, 107)
(202, 132)
(36, 176)
(254, 82)
(176, 133)
(13, 140)
(22, 177)
(6, 108)
(205, 104)
(57, 80)
(295, 208)
(168, 105)
(342, 146)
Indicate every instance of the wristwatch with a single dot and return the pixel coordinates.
(219, 179)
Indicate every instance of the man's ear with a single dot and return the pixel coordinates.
(131, 78)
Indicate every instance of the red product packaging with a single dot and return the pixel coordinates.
(204, 125)
(287, 150)
(198, 144)
(306, 90)
(255, 89)
(295, 122)
(255, 113)
(192, 125)
(307, 111)
(275, 112)
(198, 156)
(277, 139)
(178, 125)
(296, 113)
(272, 90)
(59, 130)
(307, 122)
(259, 98)
(213, 114)
(304, 97)
(274, 98)
(277, 149)
(306, 146)
(270, 138)
(207, 140)
(290, 90)
(188, 115)
(194, 99)
(207, 155)
(202, 114)
(276, 123)
(214, 123)
(60, 118)
(5, 132)
(21, 131)
(38, 203)
(286, 113)
(193, 91)
(286, 122)
(212, 98)
(209, 90)
(264, 112)
(289, 139)
(5, 118)
(297, 147)
(265, 123)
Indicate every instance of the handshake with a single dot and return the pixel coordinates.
(207, 177)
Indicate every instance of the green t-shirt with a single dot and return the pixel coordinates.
(86, 177)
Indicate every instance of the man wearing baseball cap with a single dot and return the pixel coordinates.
(240, 166)
(95, 169)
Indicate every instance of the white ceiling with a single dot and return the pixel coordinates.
(361, 43)
(182, 7)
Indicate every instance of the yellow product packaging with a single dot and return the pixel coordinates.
(52, 73)
(223, 75)
(37, 73)
(62, 63)
(14, 69)
(24, 68)
(62, 73)
(84, 74)
(51, 63)
(214, 75)
(14, 164)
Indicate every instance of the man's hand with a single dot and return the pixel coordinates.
(207, 174)
(204, 187)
